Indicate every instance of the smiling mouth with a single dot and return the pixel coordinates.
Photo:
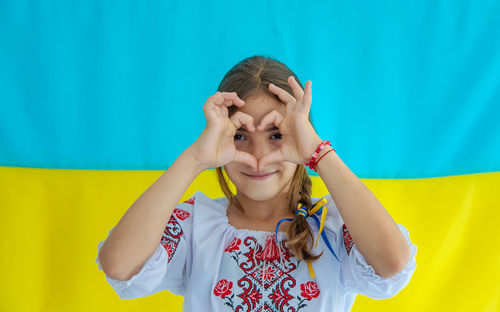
(261, 176)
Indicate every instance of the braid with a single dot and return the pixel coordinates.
(251, 77)
(300, 235)
(299, 232)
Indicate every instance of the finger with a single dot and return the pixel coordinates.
(296, 88)
(273, 117)
(227, 99)
(274, 156)
(220, 101)
(246, 158)
(239, 118)
(282, 94)
(307, 99)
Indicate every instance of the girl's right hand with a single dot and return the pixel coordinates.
(215, 146)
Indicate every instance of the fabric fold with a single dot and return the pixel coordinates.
(144, 282)
(170, 264)
(209, 262)
(368, 283)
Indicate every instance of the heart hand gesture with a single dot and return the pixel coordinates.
(215, 146)
(299, 138)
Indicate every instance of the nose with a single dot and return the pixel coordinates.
(261, 148)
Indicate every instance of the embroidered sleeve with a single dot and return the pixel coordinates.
(167, 267)
(358, 276)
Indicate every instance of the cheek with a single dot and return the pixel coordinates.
(232, 170)
(239, 144)
(290, 170)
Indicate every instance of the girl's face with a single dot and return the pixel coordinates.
(259, 144)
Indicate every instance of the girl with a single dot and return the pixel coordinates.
(259, 249)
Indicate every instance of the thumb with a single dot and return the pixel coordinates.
(246, 158)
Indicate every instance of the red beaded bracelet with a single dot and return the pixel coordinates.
(313, 167)
(312, 164)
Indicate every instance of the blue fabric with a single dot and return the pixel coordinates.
(318, 223)
(401, 90)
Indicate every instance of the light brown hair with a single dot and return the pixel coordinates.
(249, 78)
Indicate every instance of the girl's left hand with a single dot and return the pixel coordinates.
(299, 138)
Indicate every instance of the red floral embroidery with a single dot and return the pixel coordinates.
(348, 242)
(169, 247)
(281, 297)
(264, 285)
(181, 214)
(234, 245)
(173, 231)
(268, 275)
(310, 290)
(191, 200)
(223, 288)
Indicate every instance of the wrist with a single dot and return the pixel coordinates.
(323, 148)
(324, 151)
(312, 148)
(323, 160)
(190, 154)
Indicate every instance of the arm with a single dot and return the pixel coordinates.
(135, 238)
(138, 233)
(372, 228)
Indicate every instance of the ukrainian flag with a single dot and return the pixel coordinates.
(98, 99)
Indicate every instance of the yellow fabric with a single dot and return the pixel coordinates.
(301, 211)
(311, 270)
(320, 203)
(52, 220)
(314, 208)
(306, 213)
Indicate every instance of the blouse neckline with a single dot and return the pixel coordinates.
(224, 202)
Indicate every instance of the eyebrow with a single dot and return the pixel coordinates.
(271, 128)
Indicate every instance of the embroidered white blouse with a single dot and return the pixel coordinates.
(217, 266)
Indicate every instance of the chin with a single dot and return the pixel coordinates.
(259, 194)
(263, 193)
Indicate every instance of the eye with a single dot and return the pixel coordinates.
(278, 134)
(238, 135)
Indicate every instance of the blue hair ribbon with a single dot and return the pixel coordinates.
(318, 207)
